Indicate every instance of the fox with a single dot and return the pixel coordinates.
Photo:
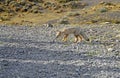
(76, 31)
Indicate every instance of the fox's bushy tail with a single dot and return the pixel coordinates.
(84, 36)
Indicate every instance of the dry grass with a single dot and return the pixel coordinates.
(97, 14)
(94, 14)
(30, 18)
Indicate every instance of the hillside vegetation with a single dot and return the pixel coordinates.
(57, 12)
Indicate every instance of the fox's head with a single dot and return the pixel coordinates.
(58, 34)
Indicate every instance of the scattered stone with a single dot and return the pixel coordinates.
(40, 1)
(37, 56)
(1, 9)
(110, 49)
(63, 21)
(73, 14)
(118, 35)
(76, 4)
(23, 2)
(59, 11)
(4, 62)
(1, 19)
(37, 9)
(48, 25)
(65, 1)
(106, 22)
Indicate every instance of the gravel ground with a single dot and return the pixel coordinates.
(29, 52)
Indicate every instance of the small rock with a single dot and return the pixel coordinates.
(1, 9)
(1, 20)
(48, 25)
(107, 22)
(63, 21)
(5, 63)
(110, 49)
(118, 35)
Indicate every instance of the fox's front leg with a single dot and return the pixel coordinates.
(65, 37)
(76, 38)
(80, 38)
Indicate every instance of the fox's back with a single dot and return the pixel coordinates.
(75, 30)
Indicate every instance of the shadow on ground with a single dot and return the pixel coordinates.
(31, 62)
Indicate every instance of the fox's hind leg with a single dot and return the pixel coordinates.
(65, 37)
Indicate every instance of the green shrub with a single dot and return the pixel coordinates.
(65, 1)
(103, 10)
(73, 14)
